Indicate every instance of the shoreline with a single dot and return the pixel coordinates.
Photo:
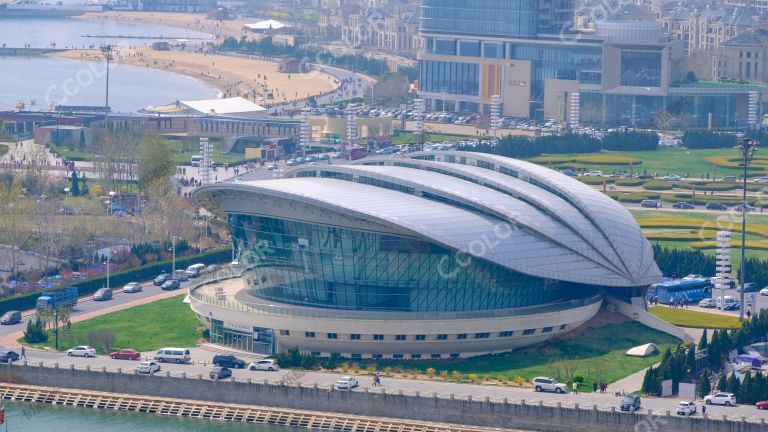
(232, 76)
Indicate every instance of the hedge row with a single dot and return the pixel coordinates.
(147, 271)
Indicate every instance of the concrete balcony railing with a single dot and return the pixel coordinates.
(307, 312)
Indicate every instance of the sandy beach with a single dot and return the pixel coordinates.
(197, 22)
(233, 76)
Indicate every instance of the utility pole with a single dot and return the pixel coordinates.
(747, 149)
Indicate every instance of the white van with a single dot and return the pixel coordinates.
(173, 355)
(195, 270)
(196, 160)
(727, 303)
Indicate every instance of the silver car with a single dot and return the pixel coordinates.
(132, 287)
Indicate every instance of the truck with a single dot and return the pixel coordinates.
(64, 297)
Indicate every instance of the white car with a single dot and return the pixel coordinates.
(764, 291)
(82, 351)
(132, 287)
(686, 408)
(672, 177)
(266, 365)
(707, 303)
(594, 174)
(271, 167)
(720, 398)
(761, 180)
(346, 383)
(548, 384)
(148, 367)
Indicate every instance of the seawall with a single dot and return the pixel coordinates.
(422, 407)
(6, 51)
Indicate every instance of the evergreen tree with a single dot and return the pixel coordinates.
(81, 143)
(713, 352)
(74, 188)
(733, 385)
(704, 387)
(722, 382)
(703, 341)
(746, 390)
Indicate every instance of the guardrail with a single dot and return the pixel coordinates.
(295, 382)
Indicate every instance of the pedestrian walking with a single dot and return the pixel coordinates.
(575, 387)
(594, 386)
(23, 353)
(704, 409)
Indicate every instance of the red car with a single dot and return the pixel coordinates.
(126, 354)
(762, 405)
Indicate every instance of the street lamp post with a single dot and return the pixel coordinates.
(107, 51)
(747, 149)
(109, 253)
(56, 327)
(173, 260)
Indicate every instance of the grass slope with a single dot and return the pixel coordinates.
(167, 322)
(597, 350)
(689, 318)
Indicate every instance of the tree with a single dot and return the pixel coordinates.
(35, 332)
(74, 188)
(733, 385)
(704, 387)
(703, 341)
(722, 383)
(155, 162)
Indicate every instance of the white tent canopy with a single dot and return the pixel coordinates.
(269, 24)
(643, 350)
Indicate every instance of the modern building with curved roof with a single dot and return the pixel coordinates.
(431, 255)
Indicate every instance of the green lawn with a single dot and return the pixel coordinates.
(598, 351)
(167, 322)
(665, 161)
(690, 318)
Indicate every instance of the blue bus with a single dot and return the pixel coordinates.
(692, 290)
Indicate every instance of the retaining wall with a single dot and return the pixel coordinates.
(499, 414)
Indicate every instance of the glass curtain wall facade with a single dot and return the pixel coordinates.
(489, 17)
(683, 110)
(323, 266)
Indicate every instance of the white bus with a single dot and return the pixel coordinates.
(196, 160)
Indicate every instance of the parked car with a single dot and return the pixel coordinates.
(173, 355)
(548, 384)
(686, 408)
(125, 354)
(212, 268)
(720, 398)
(630, 403)
(569, 173)
(707, 303)
(716, 206)
(764, 291)
(672, 178)
(228, 361)
(10, 317)
(148, 367)
(761, 180)
(195, 270)
(102, 294)
(219, 372)
(594, 174)
(728, 179)
(683, 205)
(749, 208)
(649, 203)
(271, 167)
(727, 303)
(161, 279)
(749, 287)
(132, 287)
(82, 351)
(8, 356)
(762, 405)
(346, 383)
(171, 285)
(267, 365)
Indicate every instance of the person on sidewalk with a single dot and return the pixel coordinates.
(594, 386)
(23, 353)
(575, 387)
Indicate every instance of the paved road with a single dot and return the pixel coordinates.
(202, 366)
(87, 308)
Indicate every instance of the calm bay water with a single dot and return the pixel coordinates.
(40, 81)
(38, 417)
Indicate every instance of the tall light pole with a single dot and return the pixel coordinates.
(747, 149)
(109, 253)
(173, 261)
(106, 50)
(723, 264)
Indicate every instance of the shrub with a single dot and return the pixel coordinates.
(456, 375)
(35, 332)
(657, 185)
(630, 182)
(472, 377)
(444, 374)
(431, 371)
(578, 378)
(706, 139)
(595, 180)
